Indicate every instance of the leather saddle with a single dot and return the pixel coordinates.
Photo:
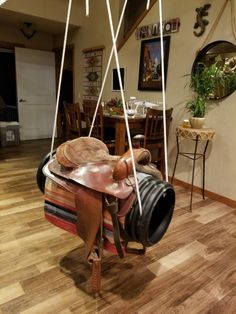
(85, 168)
(93, 194)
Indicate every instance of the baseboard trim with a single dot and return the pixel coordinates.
(212, 195)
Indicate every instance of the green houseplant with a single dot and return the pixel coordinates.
(208, 83)
(203, 85)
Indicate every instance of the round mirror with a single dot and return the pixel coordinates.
(220, 58)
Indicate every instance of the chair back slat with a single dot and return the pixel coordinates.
(73, 120)
(154, 126)
(98, 128)
(154, 135)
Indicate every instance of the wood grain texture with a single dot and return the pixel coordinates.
(42, 268)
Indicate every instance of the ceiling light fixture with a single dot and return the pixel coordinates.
(27, 30)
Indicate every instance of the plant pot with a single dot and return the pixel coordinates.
(197, 123)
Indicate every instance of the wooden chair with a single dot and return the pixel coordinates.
(73, 121)
(98, 130)
(153, 137)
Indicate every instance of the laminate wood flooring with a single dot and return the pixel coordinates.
(42, 268)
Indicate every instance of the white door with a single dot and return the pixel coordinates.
(36, 92)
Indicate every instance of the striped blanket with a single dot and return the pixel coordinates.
(61, 211)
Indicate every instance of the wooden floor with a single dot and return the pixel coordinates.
(42, 269)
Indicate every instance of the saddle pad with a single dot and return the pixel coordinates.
(59, 207)
(61, 211)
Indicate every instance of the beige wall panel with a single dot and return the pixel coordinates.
(48, 9)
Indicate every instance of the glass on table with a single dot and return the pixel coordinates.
(131, 112)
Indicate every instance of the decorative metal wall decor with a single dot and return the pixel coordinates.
(153, 30)
(27, 30)
(200, 21)
(92, 73)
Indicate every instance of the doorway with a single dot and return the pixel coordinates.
(8, 94)
(67, 86)
(36, 92)
(8, 99)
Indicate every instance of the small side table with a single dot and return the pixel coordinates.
(195, 135)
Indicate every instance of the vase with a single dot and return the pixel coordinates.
(197, 123)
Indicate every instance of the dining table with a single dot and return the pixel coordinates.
(135, 122)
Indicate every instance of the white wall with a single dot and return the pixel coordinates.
(95, 32)
(47, 9)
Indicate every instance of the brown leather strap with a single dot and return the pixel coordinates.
(112, 207)
(89, 213)
(126, 205)
(128, 249)
(96, 275)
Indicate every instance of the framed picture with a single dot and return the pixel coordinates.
(115, 79)
(150, 76)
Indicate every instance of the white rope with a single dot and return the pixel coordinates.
(107, 69)
(216, 22)
(163, 90)
(87, 8)
(214, 25)
(60, 76)
(123, 102)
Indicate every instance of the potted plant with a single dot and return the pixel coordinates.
(203, 85)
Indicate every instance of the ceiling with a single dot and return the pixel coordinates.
(15, 19)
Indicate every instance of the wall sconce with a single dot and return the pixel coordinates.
(27, 30)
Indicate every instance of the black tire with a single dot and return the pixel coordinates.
(158, 200)
(40, 177)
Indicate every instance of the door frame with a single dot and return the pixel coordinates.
(10, 46)
(58, 53)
